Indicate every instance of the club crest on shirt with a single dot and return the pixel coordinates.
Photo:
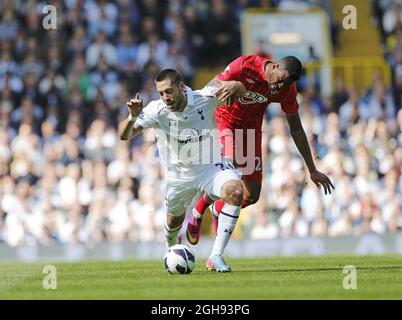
(200, 112)
(251, 97)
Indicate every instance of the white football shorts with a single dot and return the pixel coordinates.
(181, 187)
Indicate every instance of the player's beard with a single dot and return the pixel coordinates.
(171, 106)
(176, 104)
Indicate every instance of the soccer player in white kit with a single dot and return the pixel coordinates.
(185, 124)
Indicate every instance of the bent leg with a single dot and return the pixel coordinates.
(202, 204)
(178, 196)
(251, 190)
(232, 194)
(172, 228)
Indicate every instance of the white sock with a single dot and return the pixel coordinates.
(226, 224)
(171, 235)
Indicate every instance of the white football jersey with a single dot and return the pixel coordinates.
(187, 141)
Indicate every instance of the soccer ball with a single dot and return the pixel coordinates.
(179, 259)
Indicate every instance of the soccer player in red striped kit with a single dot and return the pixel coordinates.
(256, 82)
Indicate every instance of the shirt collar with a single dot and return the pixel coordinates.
(190, 98)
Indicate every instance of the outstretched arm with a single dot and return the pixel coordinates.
(300, 139)
(227, 91)
(128, 128)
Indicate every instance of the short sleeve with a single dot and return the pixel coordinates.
(148, 118)
(289, 104)
(208, 92)
(233, 70)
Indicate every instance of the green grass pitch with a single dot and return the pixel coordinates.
(378, 277)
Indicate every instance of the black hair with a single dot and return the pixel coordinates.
(293, 65)
(170, 74)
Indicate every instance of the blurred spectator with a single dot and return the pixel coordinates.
(222, 37)
(155, 9)
(178, 61)
(352, 111)
(126, 50)
(101, 16)
(8, 25)
(78, 43)
(153, 49)
(392, 18)
(340, 94)
(380, 104)
(28, 112)
(104, 79)
(101, 48)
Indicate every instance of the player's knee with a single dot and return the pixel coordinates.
(232, 192)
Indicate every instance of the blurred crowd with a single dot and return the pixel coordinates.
(65, 177)
(358, 143)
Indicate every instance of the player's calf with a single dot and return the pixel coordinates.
(232, 194)
(203, 203)
(215, 214)
(172, 228)
(252, 191)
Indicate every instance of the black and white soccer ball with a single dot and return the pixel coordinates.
(179, 259)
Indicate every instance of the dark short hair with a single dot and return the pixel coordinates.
(170, 74)
(293, 65)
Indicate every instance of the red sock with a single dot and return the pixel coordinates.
(202, 204)
(219, 205)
